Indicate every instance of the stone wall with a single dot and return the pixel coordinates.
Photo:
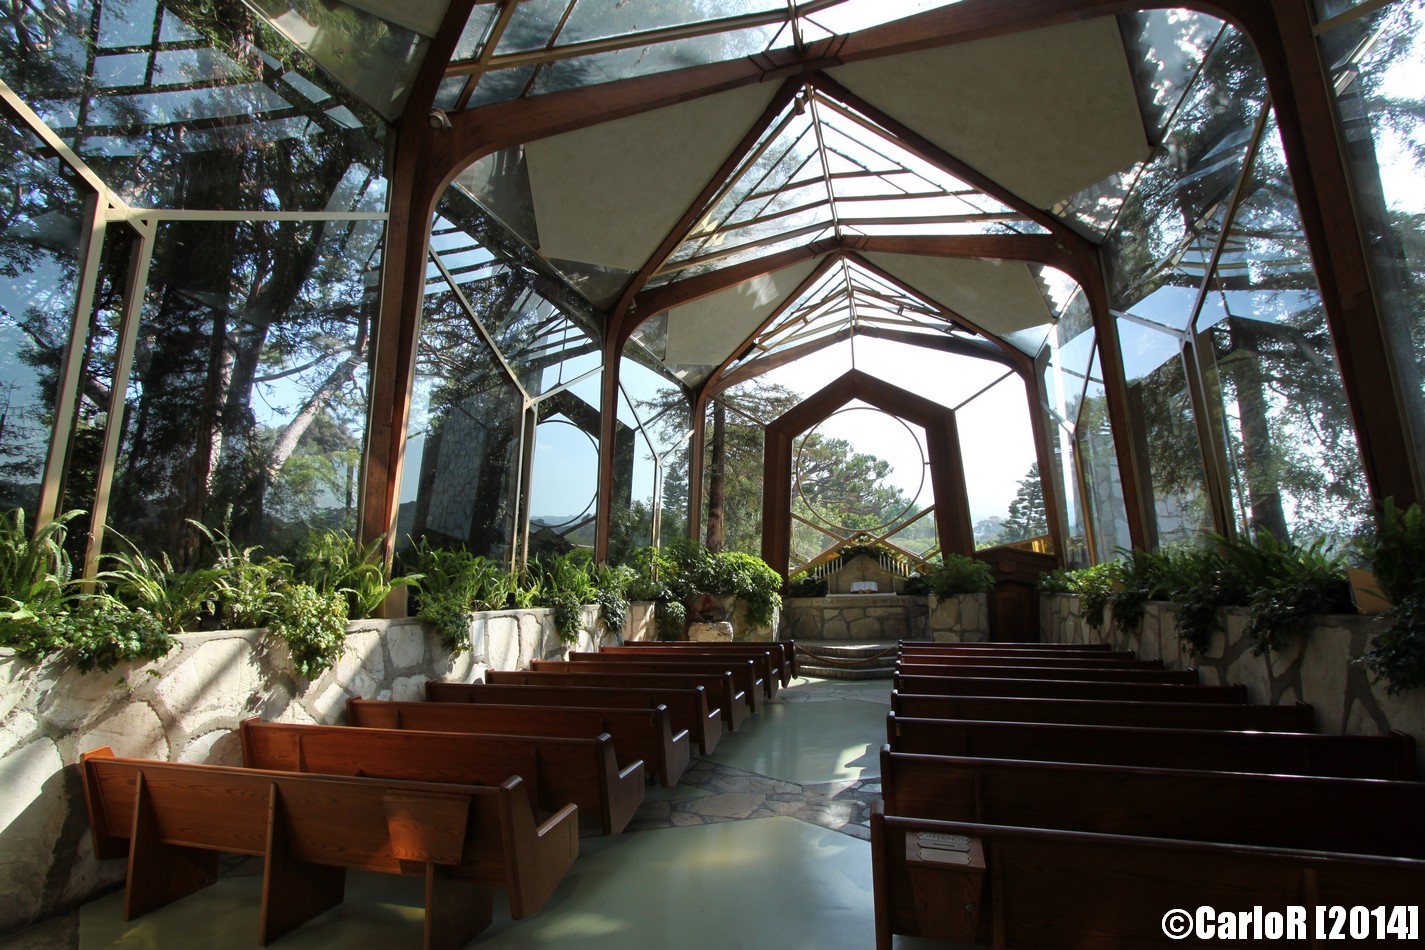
(1321, 669)
(868, 617)
(961, 619)
(186, 708)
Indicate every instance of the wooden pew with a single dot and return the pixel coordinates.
(1390, 756)
(745, 677)
(716, 690)
(783, 651)
(645, 734)
(1098, 673)
(719, 685)
(1052, 888)
(1068, 689)
(767, 661)
(1297, 717)
(1279, 811)
(171, 820)
(1023, 646)
(557, 769)
(932, 663)
(1108, 656)
(688, 708)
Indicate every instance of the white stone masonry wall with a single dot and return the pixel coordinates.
(1321, 669)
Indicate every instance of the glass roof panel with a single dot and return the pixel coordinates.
(373, 57)
(174, 116)
(1166, 49)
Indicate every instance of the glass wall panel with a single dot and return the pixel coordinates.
(249, 382)
(1376, 63)
(1001, 466)
(1164, 232)
(1161, 409)
(42, 218)
(1098, 463)
(1290, 438)
(196, 105)
(747, 408)
(460, 482)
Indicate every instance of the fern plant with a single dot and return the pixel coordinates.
(1396, 551)
(35, 583)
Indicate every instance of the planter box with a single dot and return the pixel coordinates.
(1321, 669)
(961, 619)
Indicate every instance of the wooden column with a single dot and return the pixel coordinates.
(1054, 509)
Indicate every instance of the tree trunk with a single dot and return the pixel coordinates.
(717, 461)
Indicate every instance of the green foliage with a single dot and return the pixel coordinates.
(652, 572)
(961, 575)
(916, 585)
(1057, 581)
(450, 583)
(100, 632)
(1396, 552)
(612, 583)
(332, 561)
(1094, 587)
(564, 584)
(177, 598)
(726, 573)
(803, 584)
(1137, 579)
(313, 625)
(672, 618)
(1282, 583)
(35, 582)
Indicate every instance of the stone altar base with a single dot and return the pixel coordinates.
(865, 618)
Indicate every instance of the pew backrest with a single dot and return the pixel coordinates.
(689, 706)
(558, 769)
(1282, 811)
(1068, 689)
(638, 733)
(1387, 757)
(1295, 717)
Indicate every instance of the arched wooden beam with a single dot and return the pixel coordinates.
(952, 504)
(766, 364)
(654, 301)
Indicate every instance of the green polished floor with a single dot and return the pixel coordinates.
(733, 882)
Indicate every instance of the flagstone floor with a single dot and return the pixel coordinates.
(762, 844)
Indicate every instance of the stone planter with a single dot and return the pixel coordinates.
(1321, 669)
(717, 609)
(964, 618)
(186, 707)
(642, 623)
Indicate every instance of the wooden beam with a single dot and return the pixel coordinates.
(649, 303)
(438, 52)
(766, 364)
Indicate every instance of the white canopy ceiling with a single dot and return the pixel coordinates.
(610, 194)
(1044, 113)
(707, 331)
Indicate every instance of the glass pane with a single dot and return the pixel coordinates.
(39, 249)
(199, 106)
(564, 477)
(1167, 224)
(459, 484)
(1376, 62)
(249, 387)
(1161, 408)
(1001, 466)
(1098, 460)
(1296, 459)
